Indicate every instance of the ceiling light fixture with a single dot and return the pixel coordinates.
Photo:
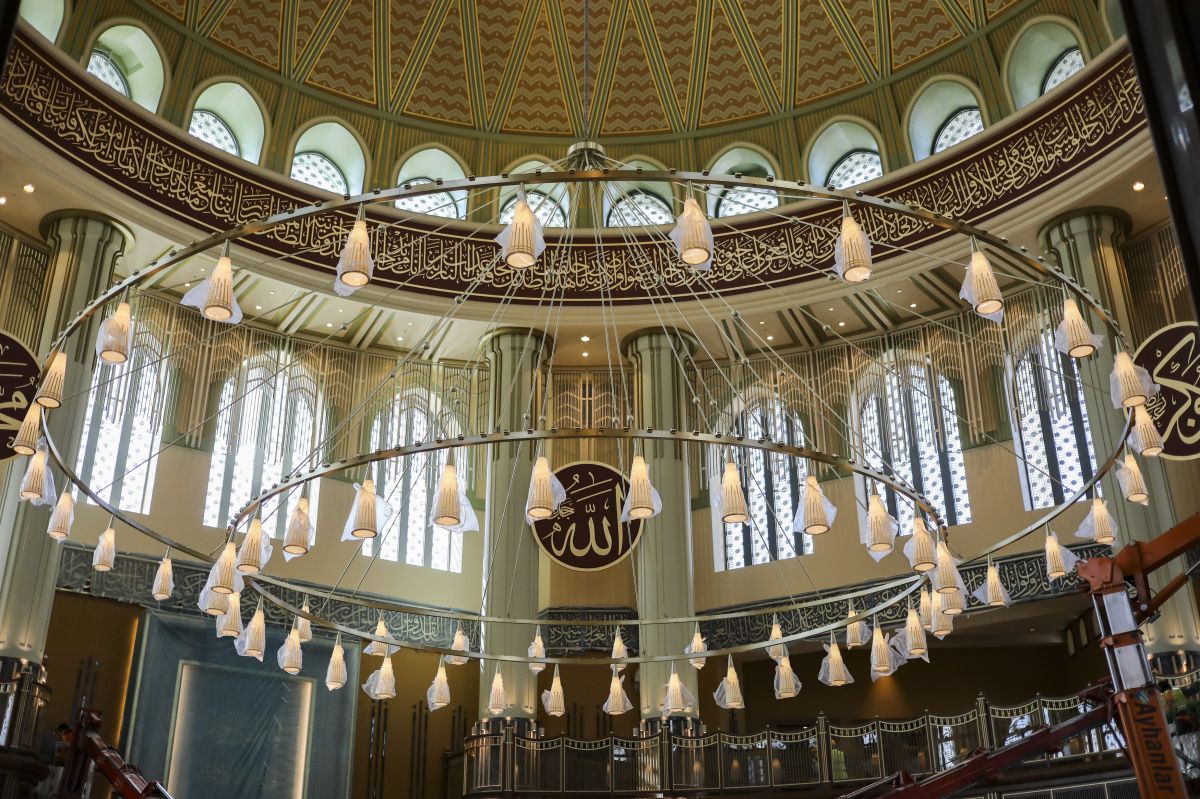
(27, 188)
(585, 339)
(1138, 185)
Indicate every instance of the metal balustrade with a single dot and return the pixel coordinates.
(824, 753)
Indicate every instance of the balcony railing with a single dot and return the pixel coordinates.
(506, 761)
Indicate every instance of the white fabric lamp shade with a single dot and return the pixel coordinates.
(446, 509)
(1133, 485)
(26, 440)
(537, 649)
(355, 265)
(62, 517)
(733, 499)
(729, 693)
(497, 698)
(1073, 336)
(115, 336)
(1145, 436)
(787, 684)
(693, 236)
(50, 392)
(437, 696)
(290, 655)
(852, 252)
(980, 287)
(335, 672)
(553, 699)
(164, 581)
(105, 553)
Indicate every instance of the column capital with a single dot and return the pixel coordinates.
(51, 220)
(497, 338)
(1081, 221)
(650, 337)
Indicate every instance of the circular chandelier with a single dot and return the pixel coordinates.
(523, 245)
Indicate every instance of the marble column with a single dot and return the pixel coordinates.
(664, 552)
(1086, 244)
(510, 552)
(85, 248)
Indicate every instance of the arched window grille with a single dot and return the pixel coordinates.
(1066, 65)
(856, 166)
(267, 426)
(548, 210)
(910, 431)
(317, 170)
(408, 485)
(962, 124)
(745, 200)
(1057, 457)
(209, 127)
(122, 427)
(106, 68)
(636, 208)
(772, 483)
(440, 203)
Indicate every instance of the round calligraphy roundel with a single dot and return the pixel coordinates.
(1172, 357)
(586, 532)
(18, 384)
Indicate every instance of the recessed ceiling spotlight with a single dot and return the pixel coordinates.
(410, 324)
(762, 321)
(770, 338)
(912, 305)
(841, 324)
(1138, 185)
(3, 200)
(329, 324)
(339, 310)
(258, 307)
(270, 292)
(898, 291)
(27, 188)
(585, 339)
(830, 308)
(585, 354)
(399, 338)
(187, 285)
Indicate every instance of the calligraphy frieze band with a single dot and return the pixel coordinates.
(51, 98)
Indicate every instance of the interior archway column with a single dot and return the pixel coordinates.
(1087, 245)
(85, 248)
(510, 553)
(663, 556)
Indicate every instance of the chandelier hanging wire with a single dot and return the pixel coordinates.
(602, 178)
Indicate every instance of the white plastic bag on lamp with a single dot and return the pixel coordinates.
(1073, 336)
(253, 640)
(335, 672)
(1098, 525)
(676, 696)
(382, 683)
(879, 536)
(301, 535)
(1129, 384)
(833, 670)
(693, 236)
(852, 250)
(787, 684)
(546, 492)
(729, 693)
(213, 296)
(553, 700)
(1060, 561)
(816, 513)
(521, 242)
(355, 265)
(368, 513)
(1129, 477)
(62, 518)
(696, 647)
(537, 649)
(920, 548)
(460, 644)
(617, 702)
(643, 500)
(437, 696)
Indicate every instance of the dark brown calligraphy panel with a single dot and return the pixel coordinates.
(586, 532)
(18, 385)
(1172, 357)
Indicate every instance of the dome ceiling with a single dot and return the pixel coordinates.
(517, 66)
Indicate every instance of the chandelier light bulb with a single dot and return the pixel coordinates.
(302, 625)
(26, 440)
(105, 553)
(164, 581)
(787, 684)
(50, 392)
(1145, 436)
(34, 482)
(229, 623)
(696, 647)
(818, 512)
(290, 656)
(729, 692)
(914, 632)
(553, 700)
(446, 509)
(693, 236)
(920, 549)
(298, 538)
(250, 556)
(537, 649)
(1129, 384)
(363, 521)
(222, 573)
(381, 684)
(497, 698)
(460, 644)
(115, 336)
(640, 502)
(733, 499)
(979, 287)
(355, 266)
(1129, 476)
(378, 648)
(62, 517)
(857, 632)
(1073, 336)
(617, 702)
(852, 251)
(219, 304)
(540, 503)
(437, 696)
(335, 673)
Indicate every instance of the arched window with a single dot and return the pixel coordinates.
(315, 169)
(745, 200)
(266, 429)
(422, 168)
(772, 483)
(738, 200)
(909, 429)
(328, 156)
(639, 208)
(856, 166)
(548, 210)
(106, 68)
(122, 426)
(127, 59)
(227, 116)
(959, 126)
(1057, 457)
(408, 485)
(46, 16)
(1067, 64)
(209, 127)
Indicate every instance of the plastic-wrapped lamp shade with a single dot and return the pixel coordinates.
(729, 693)
(218, 303)
(437, 696)
(223, 570)
(1133, 485)
(50, 393)
(249, 559)
(105, 554)
(523, 243)
(540, 504)
(924, 551)
(1130, 384)
(980, 288)
(641, 492)
(446, 510)
(818, 518)
(355, 265)
(33, 484)
(914, 631)
(26, 440)
(335, 673)
(299, 529)
(1145, 435)
(537, 649)
(62, 517)
(164, 581)
(378, 648)
(113, 341)
(696, 647)
(553, 700)
(1073, 335)
(497, 698)
(363, 519)
(290, 656)
(945, 578)
(302, 625)
(787, 684)
(693, 235)
(460, 644)
(229, 623)
(733, 499)
(852, 252)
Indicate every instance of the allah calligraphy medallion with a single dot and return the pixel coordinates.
(1172, 357)
(18, 385)
(586, 532)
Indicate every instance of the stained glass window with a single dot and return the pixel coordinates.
(959, 126)
(408, 485)
(106, 68)
(856, 166)
(1056, 439)
(1064, 67)
(317, 170)
(209, 127)
(639, 208)
(440, 203)
(122, 427)
(266, 429)
(772, 483)
(910, 431)
(744, 200)
(548, 211)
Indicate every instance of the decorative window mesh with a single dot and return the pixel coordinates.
(959, 126)
(440, 203)
(639, 208)
(856, 166)
(548, 210)
(317, 170)
(209, 127)
(105, 67)
(740, 200)
(1064, 67)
